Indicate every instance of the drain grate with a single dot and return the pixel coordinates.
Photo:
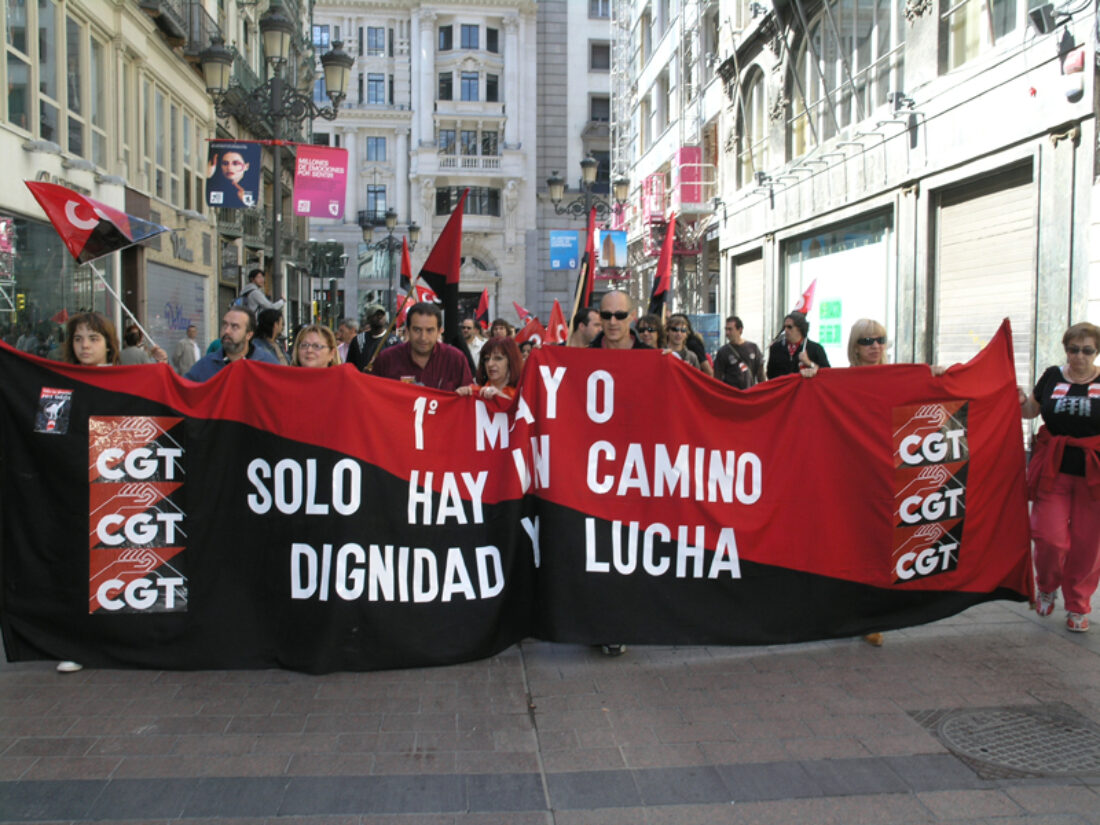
(1026, 740)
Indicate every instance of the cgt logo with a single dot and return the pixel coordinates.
(136, 529)
(931, 461)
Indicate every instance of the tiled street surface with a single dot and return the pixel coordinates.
(829, 732)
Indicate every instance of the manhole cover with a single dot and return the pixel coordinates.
(1043, 740)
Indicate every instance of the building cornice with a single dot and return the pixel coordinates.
(412, 6)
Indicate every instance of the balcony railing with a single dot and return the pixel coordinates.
(472, 162)
(201, 30)
(170, 16)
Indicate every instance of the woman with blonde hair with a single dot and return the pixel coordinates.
(867, 343)
(315, 346)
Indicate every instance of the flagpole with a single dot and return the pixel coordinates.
(577, 297)
(125, 308)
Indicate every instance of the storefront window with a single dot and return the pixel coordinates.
(45, 287)
(853, 270)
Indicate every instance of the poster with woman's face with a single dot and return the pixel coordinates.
(232, 174)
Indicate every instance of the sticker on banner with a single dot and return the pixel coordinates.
(54, 407)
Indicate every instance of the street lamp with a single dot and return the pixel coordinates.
(388, 244)
(274, 100)
(582, 205)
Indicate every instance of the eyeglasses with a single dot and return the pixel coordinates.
(621, 315)
(874, 339)
(644, 330)
(677, 329)
(312, 345)
(1089, 351)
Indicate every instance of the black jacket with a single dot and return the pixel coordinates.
(780, 361)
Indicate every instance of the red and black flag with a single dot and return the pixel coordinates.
(482, 316)
(583, 295)
(662, 279)
(89, 228)
(441, 270)
(406, 266)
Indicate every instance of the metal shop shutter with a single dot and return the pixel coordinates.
(748, 298)
(985, 267)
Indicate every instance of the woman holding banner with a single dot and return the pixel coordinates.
(498, 370)
(1064, 478)
(90, 341)
(315, 346)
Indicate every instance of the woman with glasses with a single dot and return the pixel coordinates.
(1064, 478)
(651, 331)
(498, 370)
(794, 351)
(679, 328)
(866, 343)
(315, 346)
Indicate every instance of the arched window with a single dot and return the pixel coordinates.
(851, 58)
(752, 140)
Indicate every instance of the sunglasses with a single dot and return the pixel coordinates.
(644, 330)
(875, 339)
(621, 315)
(1090, 351)
(677, 329)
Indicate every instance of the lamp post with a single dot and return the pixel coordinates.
(388, 244)
(274, 100)
(582, 205)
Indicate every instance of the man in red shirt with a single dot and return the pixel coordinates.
(424, 359)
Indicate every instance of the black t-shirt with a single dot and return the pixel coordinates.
(739, 365)
(362, 347)
(1069, 409)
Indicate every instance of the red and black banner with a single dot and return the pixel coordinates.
(226, 533)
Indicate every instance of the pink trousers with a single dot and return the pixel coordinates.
(1065, 526)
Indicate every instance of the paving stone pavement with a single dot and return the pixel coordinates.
(548, 734)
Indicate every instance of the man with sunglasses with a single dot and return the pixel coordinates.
(616, 307)
(739, 363)
(794, 351)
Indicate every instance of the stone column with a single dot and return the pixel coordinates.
(425, 79)
(512, 93)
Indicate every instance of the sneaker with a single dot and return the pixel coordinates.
(1077, 622)
(873, 639)
(1044, 603)
(613, 650)
(69, 667)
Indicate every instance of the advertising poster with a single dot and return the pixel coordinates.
(320, 181)
(233, 174)
(564, 249)
(611, 244)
